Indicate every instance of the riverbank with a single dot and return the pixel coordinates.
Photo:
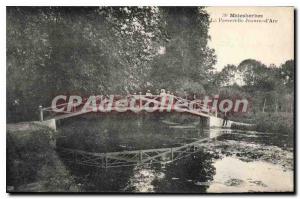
(251, 161)
(280, 122)
(32, 163)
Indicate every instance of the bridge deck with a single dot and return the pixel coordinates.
(201, 114)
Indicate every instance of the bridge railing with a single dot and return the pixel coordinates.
(141, 100)
(49, 113)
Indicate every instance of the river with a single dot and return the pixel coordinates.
(230, 161)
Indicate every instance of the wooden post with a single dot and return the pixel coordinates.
(41, 113)
(141, 156)
(105, 159)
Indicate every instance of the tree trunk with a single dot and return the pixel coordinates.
(263, 110)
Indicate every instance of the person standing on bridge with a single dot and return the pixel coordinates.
(162, 92)
(225, 119)
(148, 93)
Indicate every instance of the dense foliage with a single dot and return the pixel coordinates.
(270, 88)
(101, 50)
(33, 165)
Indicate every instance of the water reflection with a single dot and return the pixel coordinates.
(216, 132)
(234, 175)
(127, 132)
(186, 175)
(142, 178)
(215, 168)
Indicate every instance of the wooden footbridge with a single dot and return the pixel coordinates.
(167, 103)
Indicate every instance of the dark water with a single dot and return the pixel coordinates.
(231, 161)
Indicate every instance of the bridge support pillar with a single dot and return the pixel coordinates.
(48, 123)
(218, 122)
(204, 122)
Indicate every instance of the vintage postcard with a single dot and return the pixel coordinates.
(150, 99)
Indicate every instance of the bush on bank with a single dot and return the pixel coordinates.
(275, 123)
(32, 163)
(269, 122)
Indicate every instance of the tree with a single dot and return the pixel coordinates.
(287, 73)
(78, 50)
(187, 58)
(227, 76)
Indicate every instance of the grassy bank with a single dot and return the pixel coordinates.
(33, 165)
(281, 123)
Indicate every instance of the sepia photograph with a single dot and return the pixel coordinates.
(150, 99)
